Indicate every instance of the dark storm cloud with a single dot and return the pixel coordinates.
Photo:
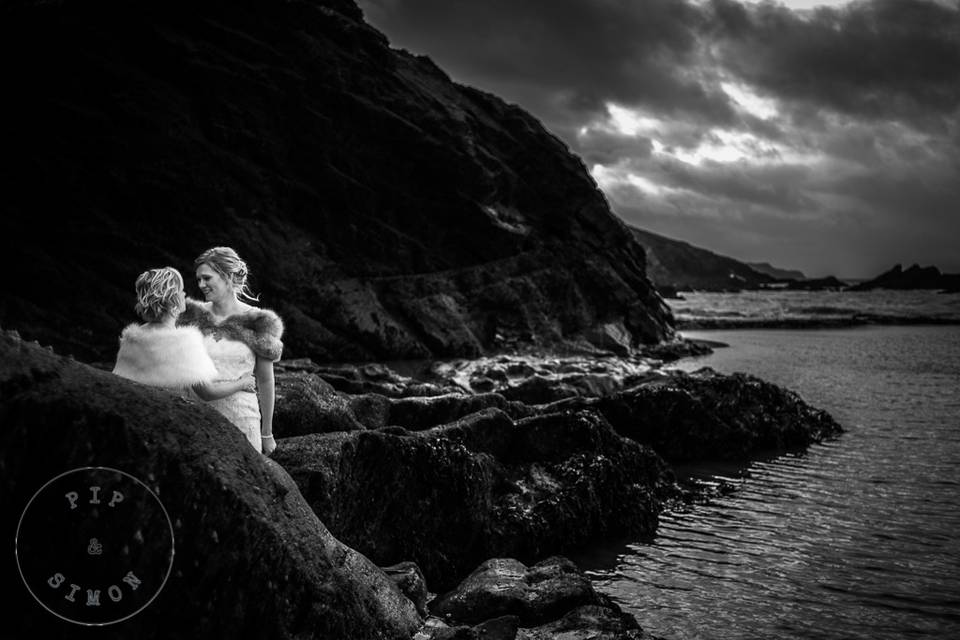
(605, 147)
(874, 58)
(775, 187)
(581, 54)
(878, 59)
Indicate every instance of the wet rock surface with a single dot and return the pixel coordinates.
(501, 587)
(504, 598)
(486, 485)
(706, 415)
(534, 379)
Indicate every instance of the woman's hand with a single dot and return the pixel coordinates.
(269, 444)
(249, 383)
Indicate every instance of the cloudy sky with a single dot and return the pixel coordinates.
(821, 136)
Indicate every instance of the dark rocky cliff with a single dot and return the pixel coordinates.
(386, 212)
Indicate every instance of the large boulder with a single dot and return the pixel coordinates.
(251, 558)
(452, 496)
(386, 212)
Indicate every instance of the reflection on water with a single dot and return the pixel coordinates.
(855, 538)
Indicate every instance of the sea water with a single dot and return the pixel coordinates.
(797, 308)
(858, 537)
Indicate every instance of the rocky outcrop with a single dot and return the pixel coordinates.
(317, 399)
(385, 211)
(307, 403)
(683, 416)
(501, 587)
(710, 416)
(452, 496)
(915, 277)
(534, 379)
(376, 378)
(506, 600)
(537, 476)
(252, 560)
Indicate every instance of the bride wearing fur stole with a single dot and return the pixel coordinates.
(240, 338)
(160, 354)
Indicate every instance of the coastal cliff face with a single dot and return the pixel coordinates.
(386, 212)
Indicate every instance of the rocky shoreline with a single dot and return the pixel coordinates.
(465, 482)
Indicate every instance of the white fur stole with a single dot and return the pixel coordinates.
(164, 357)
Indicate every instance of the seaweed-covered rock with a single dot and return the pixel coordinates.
(416, 413)
(589, 622)
(711, 416)
(542, 378)
(305, 403)
(485, 486)
(504, 586)
(375, 377)
(505, 599)
(252, 559)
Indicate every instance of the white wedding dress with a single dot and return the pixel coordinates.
(233, 360)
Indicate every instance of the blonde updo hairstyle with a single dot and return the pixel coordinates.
(159, 291)
(231, 268)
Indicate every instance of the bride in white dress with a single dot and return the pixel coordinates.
(240, 338)
(160, 354)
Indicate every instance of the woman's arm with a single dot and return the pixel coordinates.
(263, 371)
(215, 390)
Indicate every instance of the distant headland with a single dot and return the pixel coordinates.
(675, 266)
